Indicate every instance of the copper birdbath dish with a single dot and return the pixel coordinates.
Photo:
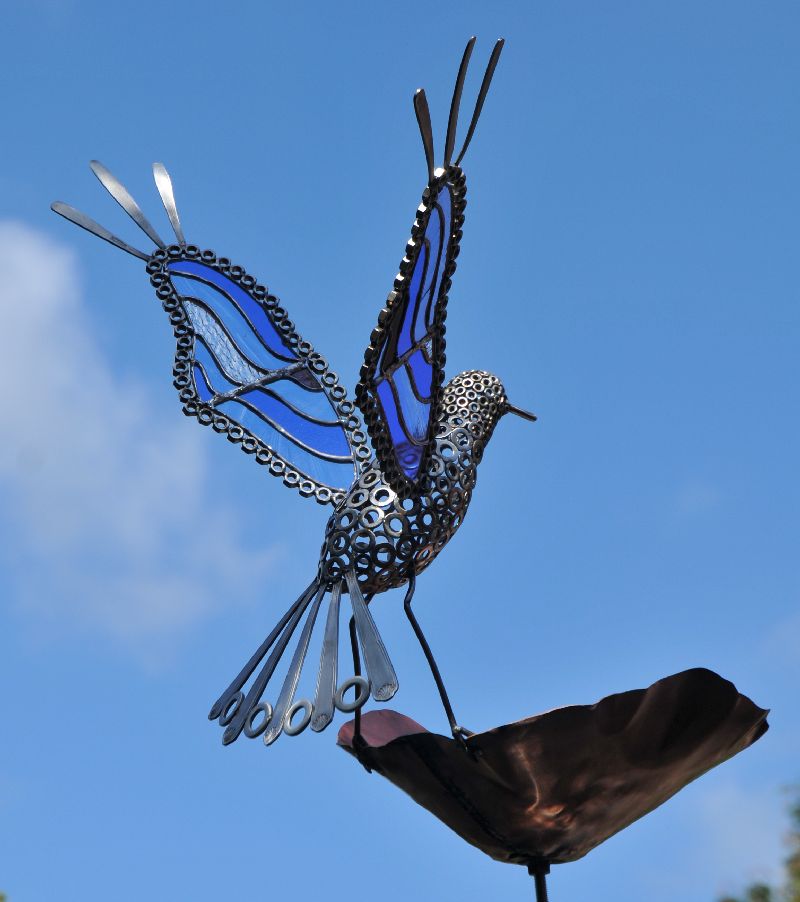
(550, 788)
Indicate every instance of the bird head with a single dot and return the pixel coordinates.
(477, 400)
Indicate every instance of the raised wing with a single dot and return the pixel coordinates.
(404, 363)
(240, 366)
(403, 369)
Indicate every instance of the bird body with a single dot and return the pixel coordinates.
(384, 536)
(399, 482)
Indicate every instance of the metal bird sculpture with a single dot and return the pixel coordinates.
(242, 368)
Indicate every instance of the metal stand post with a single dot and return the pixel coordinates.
(539, 870)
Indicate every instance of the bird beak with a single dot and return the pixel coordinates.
(525, 414)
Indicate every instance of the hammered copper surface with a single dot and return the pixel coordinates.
(556, 785)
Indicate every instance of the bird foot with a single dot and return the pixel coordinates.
(461, 734)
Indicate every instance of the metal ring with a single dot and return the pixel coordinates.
(295, 729)
(361, 696)
(254, 732)
(230, 709)
(370, 517)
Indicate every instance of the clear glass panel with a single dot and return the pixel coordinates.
(218, 382)
(250, 308)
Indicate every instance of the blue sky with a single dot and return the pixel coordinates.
(628, 268)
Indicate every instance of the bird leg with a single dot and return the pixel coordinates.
(459, 733)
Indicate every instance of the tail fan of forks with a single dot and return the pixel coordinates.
(241, 708)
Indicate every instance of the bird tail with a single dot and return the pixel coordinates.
(121, 195)
(239, 712)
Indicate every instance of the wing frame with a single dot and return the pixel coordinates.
(345, 410)
(452, 179)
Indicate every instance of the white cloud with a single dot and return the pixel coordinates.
(100, 503)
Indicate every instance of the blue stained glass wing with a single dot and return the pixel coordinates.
(242, 368)
(404, 363)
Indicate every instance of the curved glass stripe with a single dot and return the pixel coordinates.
(214, 375)
(336, 475)
(243, 335)
(444, 210)
(434, 234)
(324, 414)
(415, 413)
(408, 455)
(313, 402)
(252, 310)
(327, 438)
(421, 375)
(405, 339)
(426, 277)
(201, 384)
(389, 406)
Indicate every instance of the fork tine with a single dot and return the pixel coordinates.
(326, 679)
(380, 671)
(290, 682)
(452, 123)
(86, 222)
(120, 194)
(165, 189)
(487, 80)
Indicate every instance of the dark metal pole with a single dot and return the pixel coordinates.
(358, 739)
(539, 870)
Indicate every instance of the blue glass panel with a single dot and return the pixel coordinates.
(445, 224)
(445, 202)
(434, 236)
(329, 438)
(336, 475)
(215, 377)
(390, 413)
(404, 340)
(422, 373)
(242, 334)
(251, 309)
(408, 455)
(200, 384)
(416, 414)
(314, 403)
